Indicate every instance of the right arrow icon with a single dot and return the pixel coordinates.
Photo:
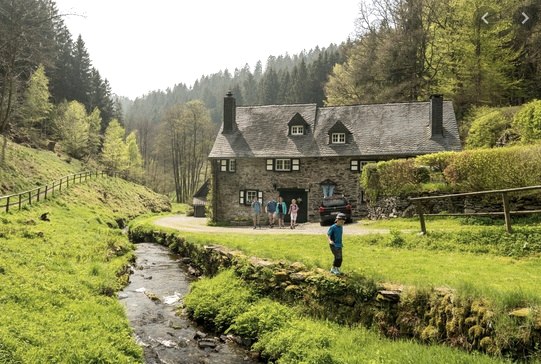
(526, 18)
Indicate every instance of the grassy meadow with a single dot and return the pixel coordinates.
(476, 260)
(59, 277)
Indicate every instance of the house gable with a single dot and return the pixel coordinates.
(297, 125)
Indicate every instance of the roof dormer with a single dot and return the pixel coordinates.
(339, 134)
(297, 125)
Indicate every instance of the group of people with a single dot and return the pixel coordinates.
(276, 211)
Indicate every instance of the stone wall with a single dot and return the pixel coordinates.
(429, 315)
(251, 174)
(388, 207)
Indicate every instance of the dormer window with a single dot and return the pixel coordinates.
(338, 138)
(339, 134)
(297, 130)
(297, 125)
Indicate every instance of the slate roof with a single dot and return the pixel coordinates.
(379, 130)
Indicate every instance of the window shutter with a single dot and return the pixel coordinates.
(241, 197)
(223, 165)
(260, 196)
(295, 164)
(354, 165)
(270, 164)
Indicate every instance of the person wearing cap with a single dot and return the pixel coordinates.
(335, 241)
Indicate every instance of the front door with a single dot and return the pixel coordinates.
(302, 200)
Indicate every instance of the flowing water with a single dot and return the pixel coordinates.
(157, 286)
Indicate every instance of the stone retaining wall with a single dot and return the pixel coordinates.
(431, 316)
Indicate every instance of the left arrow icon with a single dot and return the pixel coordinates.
(484, 18)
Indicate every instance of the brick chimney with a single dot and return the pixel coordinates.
(230, 123)
(436, 115)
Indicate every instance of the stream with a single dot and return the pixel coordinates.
(157, 286)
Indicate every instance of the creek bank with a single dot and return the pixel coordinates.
(429, 315)
(153, 299)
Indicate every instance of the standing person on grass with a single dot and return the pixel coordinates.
(293, 210)
(335, 242)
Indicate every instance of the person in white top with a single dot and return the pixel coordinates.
(293, 210)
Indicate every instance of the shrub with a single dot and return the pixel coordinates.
(486, 169)
(486, 131)
(528, 121)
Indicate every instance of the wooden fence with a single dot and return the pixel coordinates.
(18, 200)
(505, 202)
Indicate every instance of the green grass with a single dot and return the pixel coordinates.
(59, 278)
(480, 261)
(283, 335)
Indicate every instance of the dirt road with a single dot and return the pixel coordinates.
(197, 224)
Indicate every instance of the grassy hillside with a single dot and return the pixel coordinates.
(59, 278)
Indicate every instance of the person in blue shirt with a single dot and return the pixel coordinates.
(256, 212)
(335, 241)
(271, 210)
(281, 211)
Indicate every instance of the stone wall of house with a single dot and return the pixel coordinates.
(251, 174)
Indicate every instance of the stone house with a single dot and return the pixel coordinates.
(305, 152)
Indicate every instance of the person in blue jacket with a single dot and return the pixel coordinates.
(281, 211)
(335, 242)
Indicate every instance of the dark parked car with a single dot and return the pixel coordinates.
(331, 206)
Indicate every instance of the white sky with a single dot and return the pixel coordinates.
(146, 45)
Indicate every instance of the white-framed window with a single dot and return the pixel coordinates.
(228, 165)
(356, 165)
(297, 130)
(338, 138)
(247, 196)
(283, 165)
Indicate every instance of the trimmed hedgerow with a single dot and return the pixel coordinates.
(470, 170)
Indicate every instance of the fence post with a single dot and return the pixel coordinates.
(7, 204)
(39, 188)
(20, 200)
(30, 197)
(46, 189)
(421, 216)
(506, 213)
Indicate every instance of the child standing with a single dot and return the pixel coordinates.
(293, 210)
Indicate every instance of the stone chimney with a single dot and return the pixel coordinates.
(436, 115)
(230, 123)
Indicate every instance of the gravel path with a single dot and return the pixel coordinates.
(197, 224)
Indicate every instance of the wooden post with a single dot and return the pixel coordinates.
(39, 191)
(421, 217)
(506, 213)
(30, 197)
(60, 186)
(20, 200)
(7, 204)
(67, 181)
(46, 189)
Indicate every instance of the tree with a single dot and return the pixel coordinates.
(37, 106)
(94, 139)
(73, 128)
(115, 153)
(81, 76)
(26, 40)
(487, 130)
(190, 133)
(135, 160)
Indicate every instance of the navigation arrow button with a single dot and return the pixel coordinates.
(483, 18)
(526, 18)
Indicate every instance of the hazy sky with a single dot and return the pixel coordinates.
(146, 45)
